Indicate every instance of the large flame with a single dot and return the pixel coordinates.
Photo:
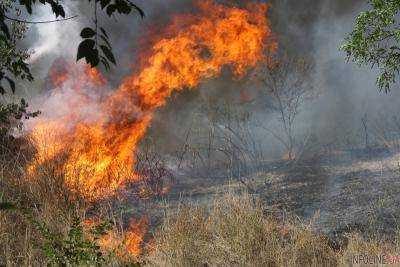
(99, 142)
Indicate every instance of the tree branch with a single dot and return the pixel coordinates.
(39, 22)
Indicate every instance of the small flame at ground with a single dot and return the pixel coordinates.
(127, 244)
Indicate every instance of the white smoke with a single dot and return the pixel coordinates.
(57, 38)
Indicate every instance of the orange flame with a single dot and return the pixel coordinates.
(99, 149)
(134, 237)
(128, 244)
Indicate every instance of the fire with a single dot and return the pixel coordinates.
(58, 73)
(50, 132)
(127, 244)
(99, 142)
(134, 237)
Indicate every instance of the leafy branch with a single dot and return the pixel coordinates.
(93, 51)
(73, 249)
(95, 47)
(375, 40)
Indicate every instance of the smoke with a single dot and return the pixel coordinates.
(349, 92)
(49, 41)
(313, 29)
(187, 54)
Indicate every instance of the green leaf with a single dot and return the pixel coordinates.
(105, 63)
(4, 28)
(27, 4)
(58, 9)
(92, 58)
(111, 9)
(87, 33)
(7, 206)
(11, 83)
(123, 7)
(104, 32)
(84, 48)
(108, 53)
(138, 9)
(106, 42)
(104, 3)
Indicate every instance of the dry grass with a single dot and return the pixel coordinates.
(236, 231)
(43, 196)
(373, 248)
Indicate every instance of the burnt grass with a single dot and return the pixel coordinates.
(346, 191)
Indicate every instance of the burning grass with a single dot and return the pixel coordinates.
(49, 224)
(236, 229)
(65, 182)
(87, 138)
(100, 131)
